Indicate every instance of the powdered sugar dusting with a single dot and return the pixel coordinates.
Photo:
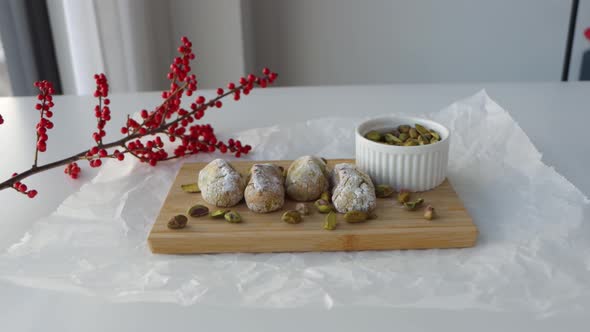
(353, 189)
(221, 184)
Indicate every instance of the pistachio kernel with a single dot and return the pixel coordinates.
(302, 209)
(198, 211)
(404, 136)
(373, 135)
(383, 191)
(291, 217)
(218, 213)
(355, 216)
(232, 217)
(413, 133)
(435, 135)
(391, 139)
(177, 222)
(403, 196)
(411, 142)
(330, 222)
(413, 205)
(190, 188)
(404, 129)
(429, 213)
(323, 206)
(421, 129)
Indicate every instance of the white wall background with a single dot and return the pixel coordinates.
(315, 42)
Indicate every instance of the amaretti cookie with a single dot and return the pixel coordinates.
(307, 178)
(265, 191)
(220, 184)
(352, 190)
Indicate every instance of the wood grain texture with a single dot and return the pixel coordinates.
(394, 228)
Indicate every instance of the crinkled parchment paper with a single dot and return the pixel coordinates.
(533, 253)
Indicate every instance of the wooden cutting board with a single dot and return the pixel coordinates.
(394, 227)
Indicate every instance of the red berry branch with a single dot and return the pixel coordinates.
(146, 137)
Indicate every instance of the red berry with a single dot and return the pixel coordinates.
(120, 156)
(32, 193)
(251, 78)
(153, 162)
(200, 100)
(243, 80)
(272, 76)
(236, 96)
(38, 106)
(124, 130)
(219, 91)
(231, 85)
(218, 104)
(142, 131)
(97, 162)
(265, 71)
(144, 114)
(22, 187)
(106, 101)
(48, 114)
(102, 153)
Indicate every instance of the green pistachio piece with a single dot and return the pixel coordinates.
(404, 136)
(422, 140)
(391, 139)
(435, 135)
(403, 196)
(413, 133)
(413, 205)
(395, 132)
(383, 190)
(404, 129)
(330, 221)
(177, 222)
(232, 217)
(190, 188)
(421, 129)
(373, 135)
(411, 142)
(291, 217)
(323, 206)
(198, 211)
(355, 216)
(218, 214)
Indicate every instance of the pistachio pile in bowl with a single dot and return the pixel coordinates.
(404, 135)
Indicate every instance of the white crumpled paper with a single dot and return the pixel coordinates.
(533, 253)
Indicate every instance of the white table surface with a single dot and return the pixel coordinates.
(554, 115)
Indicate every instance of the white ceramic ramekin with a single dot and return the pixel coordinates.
(414, 168)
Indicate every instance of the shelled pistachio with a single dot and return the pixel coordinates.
(405, 135)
